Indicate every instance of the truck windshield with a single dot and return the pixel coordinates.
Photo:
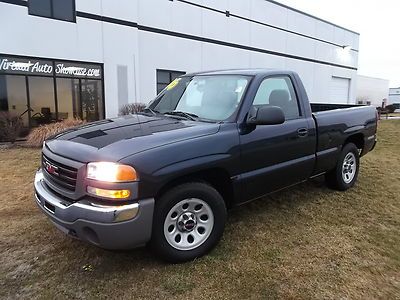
(212, 98)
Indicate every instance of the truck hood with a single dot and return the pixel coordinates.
(115, 139)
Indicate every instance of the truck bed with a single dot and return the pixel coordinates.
(335, 124)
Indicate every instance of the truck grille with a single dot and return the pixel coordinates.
(59, 174)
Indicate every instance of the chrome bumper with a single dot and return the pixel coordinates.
(111, 227)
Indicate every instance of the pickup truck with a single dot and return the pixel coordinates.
(166, 176)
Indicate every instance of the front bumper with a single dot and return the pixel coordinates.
(110, 227)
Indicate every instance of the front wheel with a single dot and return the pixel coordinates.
(344, 176)
(189, 221)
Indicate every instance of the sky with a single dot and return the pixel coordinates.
(378, 23)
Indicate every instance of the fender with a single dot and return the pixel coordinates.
(193, 165)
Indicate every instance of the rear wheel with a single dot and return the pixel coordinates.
(188, 222)
(344, 176)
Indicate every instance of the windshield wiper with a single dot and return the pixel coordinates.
(186, 115)
(148, 109)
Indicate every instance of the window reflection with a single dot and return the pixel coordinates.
(42, 103)
(13, 96)
(79, 98)
(92, 100)
(68, 98)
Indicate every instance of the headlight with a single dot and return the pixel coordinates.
(111, 172)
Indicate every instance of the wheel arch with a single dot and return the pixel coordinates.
(218, 178)
(357, 139)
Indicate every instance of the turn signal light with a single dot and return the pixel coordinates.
(112, 194)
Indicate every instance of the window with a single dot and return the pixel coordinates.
(41, 100)
(278, 91)
(165, 77)
(56, 9)
(43, 91)
(14, 97)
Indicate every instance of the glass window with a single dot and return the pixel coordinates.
(68, 98)
(13, 96)
(64, 10)
(80, 98)
(41, 100)
(278, 91)
(91, 100)
(40, 8)
(208, 97)
(3, 94)
(57, 9)
(175, 75)
(78, 86)
(165, 77)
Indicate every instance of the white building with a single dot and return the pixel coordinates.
(372, 91)
(394, 96)
(65, 58)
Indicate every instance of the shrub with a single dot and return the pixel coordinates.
(10, 126)
(131, 108)
(390, 108)
(41, 133)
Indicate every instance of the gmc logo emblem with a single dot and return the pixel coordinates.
(51, 169)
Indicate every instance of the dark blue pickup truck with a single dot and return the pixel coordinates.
(166, 176)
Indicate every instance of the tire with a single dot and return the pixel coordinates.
(345, 174)
(195, 212)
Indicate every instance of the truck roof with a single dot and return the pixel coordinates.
(248, 72)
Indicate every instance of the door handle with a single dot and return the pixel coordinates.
(302, 132)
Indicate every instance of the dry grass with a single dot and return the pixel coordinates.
(41, 133)
(306, 242)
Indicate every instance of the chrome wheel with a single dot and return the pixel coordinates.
(188, 224)
(349, 167)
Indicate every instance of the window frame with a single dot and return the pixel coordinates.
(170, 76)
(295, 94)
(52, 17)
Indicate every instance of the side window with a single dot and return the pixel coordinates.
(278, 91)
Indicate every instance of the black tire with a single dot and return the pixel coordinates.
(192, 190)
(335, 178)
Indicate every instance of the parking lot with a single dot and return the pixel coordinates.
(305, 242)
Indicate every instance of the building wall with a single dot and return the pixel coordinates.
(372, 90)
(138, 37)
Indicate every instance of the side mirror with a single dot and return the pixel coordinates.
(266, 115)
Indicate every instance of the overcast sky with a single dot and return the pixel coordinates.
(378, 22)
